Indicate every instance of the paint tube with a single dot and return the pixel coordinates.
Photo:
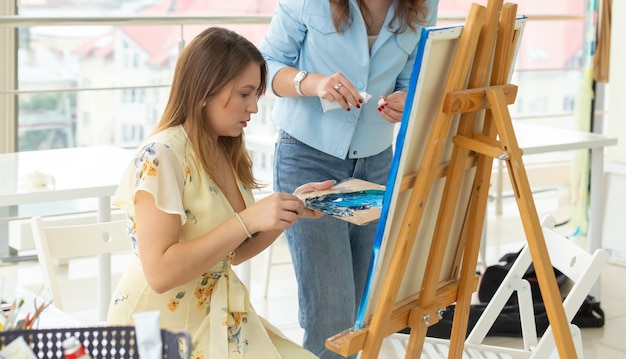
(148, 335)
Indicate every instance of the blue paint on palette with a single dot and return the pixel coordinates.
(347, 203)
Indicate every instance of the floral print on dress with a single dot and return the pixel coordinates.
(190, 216)
(204, 291)
(213, 188)
(174, 303)
(214, 306)
(132, 233)
(147, 162)
(187, 174)
(234, 331)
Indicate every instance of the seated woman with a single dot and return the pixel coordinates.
(188, 195)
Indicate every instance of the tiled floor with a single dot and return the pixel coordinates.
(505, 234)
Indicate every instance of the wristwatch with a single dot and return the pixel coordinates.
(298, 80)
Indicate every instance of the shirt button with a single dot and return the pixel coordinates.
(354, 153)
(360, 85)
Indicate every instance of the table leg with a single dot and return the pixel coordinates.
(5, 212)
(8, 254)
(596, 200)
(104, 263)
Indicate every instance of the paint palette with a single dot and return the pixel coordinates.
(352, 200)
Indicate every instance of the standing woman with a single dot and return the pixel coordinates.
(188, 195)
(336, 50)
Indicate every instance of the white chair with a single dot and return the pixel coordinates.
(269, 263)
(581, 267)
(58, 243)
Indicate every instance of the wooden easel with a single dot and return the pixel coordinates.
(477, 81)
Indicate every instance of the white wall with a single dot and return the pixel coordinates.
(617, 87)
(615, 177)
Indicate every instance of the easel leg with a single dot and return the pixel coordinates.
(500, 20)
(532, 227)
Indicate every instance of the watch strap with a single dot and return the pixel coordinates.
(298, 80)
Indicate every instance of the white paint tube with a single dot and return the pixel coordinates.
(331, 105)
(148, 335)
(17, 349)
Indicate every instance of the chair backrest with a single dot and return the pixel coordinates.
(582, 268)
(66, 242)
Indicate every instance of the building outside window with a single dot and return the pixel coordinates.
(97, 72)
(121, 73)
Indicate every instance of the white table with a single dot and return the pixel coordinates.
(533, 139)
(85, 172)
(51, 317)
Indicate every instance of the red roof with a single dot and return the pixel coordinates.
(98, 47)
(160, 42)
(565, 39)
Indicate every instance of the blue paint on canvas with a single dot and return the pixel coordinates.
(395, 164)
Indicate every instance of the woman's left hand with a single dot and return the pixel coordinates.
(310, 187)
(392, 106)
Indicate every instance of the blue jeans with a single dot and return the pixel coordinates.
(330, 257)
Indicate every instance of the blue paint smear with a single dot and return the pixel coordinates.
(393, 174)
(346, 204)
(391, 180)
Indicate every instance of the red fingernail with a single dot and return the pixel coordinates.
(358, 106)
(348, 109)
(360, 101)
(382, 106)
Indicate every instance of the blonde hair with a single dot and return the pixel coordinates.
(211, 60)
(407, 13)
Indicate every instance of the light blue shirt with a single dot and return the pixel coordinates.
(302, 35)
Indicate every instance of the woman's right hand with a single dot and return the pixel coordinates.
(278, 211)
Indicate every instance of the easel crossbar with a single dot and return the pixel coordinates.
(464, 101)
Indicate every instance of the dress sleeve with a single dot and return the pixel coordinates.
(156, 170)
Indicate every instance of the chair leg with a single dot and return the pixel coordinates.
(268, 268)
(269, 262)
(577, 337)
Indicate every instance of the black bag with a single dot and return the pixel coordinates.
(508, 323)
(494, 276)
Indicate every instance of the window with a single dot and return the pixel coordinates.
(114, 79)
(124, 70)
(84, 77)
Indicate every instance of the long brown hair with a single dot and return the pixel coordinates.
(211, 60)
(407, 13)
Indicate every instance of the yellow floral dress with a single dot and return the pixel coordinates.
(215, 307)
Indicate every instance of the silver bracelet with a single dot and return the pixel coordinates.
(243, 225)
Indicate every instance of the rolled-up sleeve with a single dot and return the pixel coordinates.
(283, 41)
